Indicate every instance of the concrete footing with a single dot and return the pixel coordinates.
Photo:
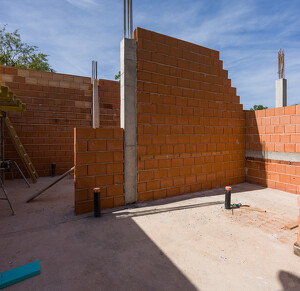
(128, 116)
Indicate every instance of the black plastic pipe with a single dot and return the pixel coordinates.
(97, 203)
(228, 197)
(53, 168)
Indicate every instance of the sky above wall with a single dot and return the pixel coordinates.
(248, 35)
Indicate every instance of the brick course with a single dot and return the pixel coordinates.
(98, 163)
(190, 121)
(276, 130)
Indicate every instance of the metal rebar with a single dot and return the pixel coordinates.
(128, 12)
(124, 18)
(131, 26)
(6, 198)
(56, 181)
(21, 173)
(97, 202)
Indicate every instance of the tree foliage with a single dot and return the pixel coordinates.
(118, 76)
(258, 107)
(15, 53)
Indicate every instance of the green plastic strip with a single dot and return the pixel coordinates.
(19, 274)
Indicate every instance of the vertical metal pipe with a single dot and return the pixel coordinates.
(228, 197)
(97, 202)
(128, 11)
(124, 18)
(53, 167)
(131, 26)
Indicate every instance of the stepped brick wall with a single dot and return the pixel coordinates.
(275, 132)
(56, 103)
(98, 163)
(190, 122)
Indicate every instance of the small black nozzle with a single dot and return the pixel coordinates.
(228, 197)
(53, 168)
(97, 202)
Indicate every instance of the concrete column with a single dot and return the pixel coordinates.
(281, 93)
(128, 116)
(95, 106)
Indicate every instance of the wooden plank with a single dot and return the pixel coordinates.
(21, 150)
(19, 274)
(290, 226)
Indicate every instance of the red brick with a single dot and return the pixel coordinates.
(84, 133)
(107, 203)
(96, 145)
(96, 169)
(84, 182)
(115, 145)
(85, 158)
(81, 145)
(104, 157)
(289, 110)
(145, 176)
(160, 194)
(104, 180)
(119, 201)
(115, 190)
(114, 168)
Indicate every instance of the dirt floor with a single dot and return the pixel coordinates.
(185, 243)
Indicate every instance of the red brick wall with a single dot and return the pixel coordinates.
(109, 94)
(98, 163)
(190, 121)
(276, 130)
(56, 103)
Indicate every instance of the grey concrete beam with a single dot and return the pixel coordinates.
(95, 105)
(281, 156)
(281, 93)
(128, 116)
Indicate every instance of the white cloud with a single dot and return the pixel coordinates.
(248, 35)
(83, 3)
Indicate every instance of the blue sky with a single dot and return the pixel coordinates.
(248, 35)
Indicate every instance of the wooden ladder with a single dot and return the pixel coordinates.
(21, 151)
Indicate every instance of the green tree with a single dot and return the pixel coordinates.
(118, 76)
(258, 107)
(15, 53)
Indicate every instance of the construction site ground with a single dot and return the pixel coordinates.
(183, 243)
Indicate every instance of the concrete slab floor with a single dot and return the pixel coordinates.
(184, 243)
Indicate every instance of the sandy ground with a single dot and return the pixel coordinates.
(185, 243)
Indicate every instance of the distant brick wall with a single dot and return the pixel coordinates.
(98, 163)
(109, 94)
(56, 103)
(274, 130)
(190, 121)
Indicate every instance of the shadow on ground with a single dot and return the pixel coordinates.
(289, 281)
(82, 253)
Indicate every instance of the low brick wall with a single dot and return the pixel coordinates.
(276, 134)
(98, 163)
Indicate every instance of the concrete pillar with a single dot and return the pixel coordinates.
(95, 106)
(281, 93)
(128, 116)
